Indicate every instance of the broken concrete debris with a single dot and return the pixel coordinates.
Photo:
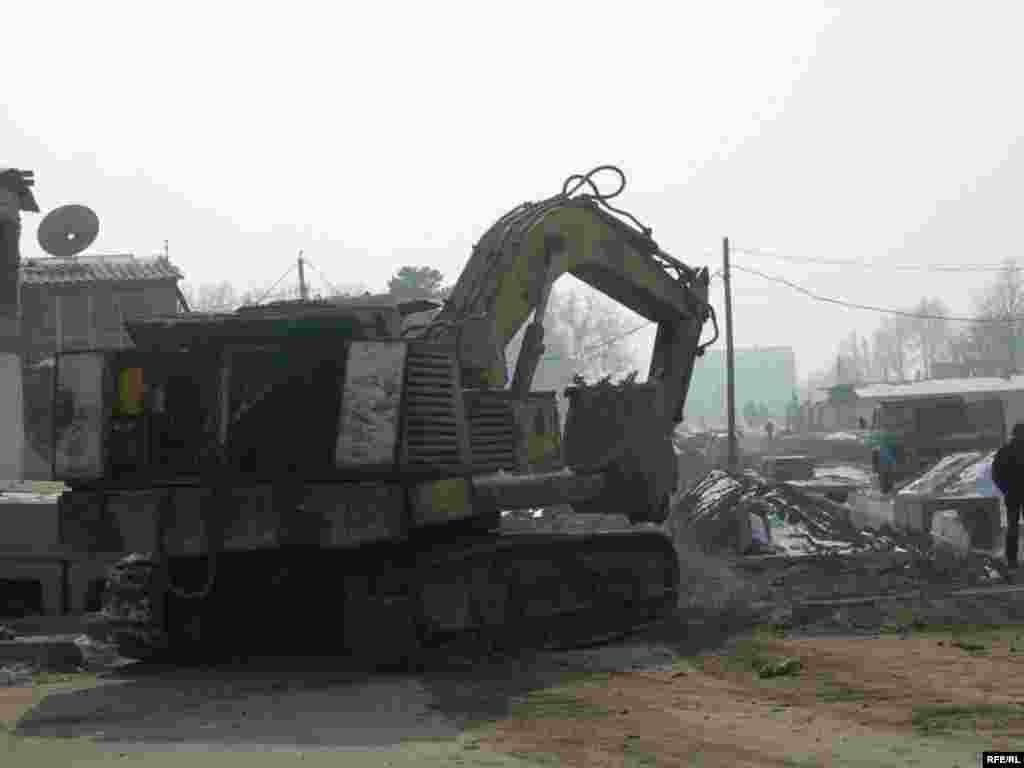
(960, 482)
(959, 474)
(823, 552)
(788, 467)
(949, 532)
(719, 509)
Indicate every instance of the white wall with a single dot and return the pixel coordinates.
(12, 426)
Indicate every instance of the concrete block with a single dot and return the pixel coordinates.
(979, 516)
(908, 512)
(869, 509)
(783, 468)
(29, 526)
(949, 531)
(58, 653)
(47, 573)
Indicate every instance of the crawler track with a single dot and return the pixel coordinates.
(395, 603)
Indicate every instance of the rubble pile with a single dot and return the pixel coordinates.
(968, 473)
(715, 515)
(718, 510)
(724, 520)
(845, 473)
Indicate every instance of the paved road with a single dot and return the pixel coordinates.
(305, 705)
(280, 703)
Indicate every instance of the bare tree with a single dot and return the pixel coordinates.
(593, 325)
(892, 347)
(930, 333)
(867, 359)
(585, 333)
(1002, 306)
(854, 361)
(262, 295)
(291, 291)
(962, 345)
(211, 297)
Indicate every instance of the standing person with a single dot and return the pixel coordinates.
(1008, 476)
(885, 462)
(770, 429)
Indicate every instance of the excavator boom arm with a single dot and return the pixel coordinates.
(514, 263)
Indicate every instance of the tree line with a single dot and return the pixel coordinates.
(908, 347)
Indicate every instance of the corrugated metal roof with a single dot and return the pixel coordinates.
(939, 387)
(96, 269)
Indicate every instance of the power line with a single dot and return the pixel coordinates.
(591, 351)
(323, 277)
(274, 286)
(583, 354)
(871, 308)
(870, 265)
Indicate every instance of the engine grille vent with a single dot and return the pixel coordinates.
(493, 431)
(434, 432)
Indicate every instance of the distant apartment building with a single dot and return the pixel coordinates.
(763, 375)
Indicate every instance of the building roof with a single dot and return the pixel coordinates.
(360, 318)
(97, 269)
(942, 387)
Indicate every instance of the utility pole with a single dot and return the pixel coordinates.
(1011, 345)
(303, 291)
(730, 363)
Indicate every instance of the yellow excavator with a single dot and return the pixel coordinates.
(329, 475)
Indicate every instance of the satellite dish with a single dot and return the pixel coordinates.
(68, 230)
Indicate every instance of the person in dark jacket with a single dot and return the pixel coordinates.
(1008, 476)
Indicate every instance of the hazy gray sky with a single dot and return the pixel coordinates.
(374, 135)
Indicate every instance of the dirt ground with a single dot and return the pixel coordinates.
(681, 695)
(889, 700)
(720, 684)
